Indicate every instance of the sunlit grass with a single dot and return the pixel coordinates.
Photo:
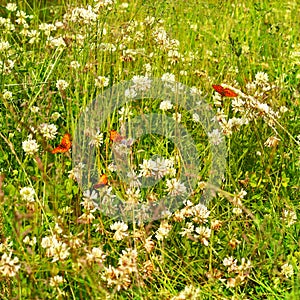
(56, 58)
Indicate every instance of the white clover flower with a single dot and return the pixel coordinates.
(124, 113)
(238, 197)
(75, 173)
(148, 68)
(46, 242)
(8, 266)
(238, 105)
(146, 168)
(263, 107)
(59, 24)
(34, 109)
(11, 6)
(33, 35)
(26, 239)
(233, 124)
(175, 187)
(4, 45)
(272, 141)
(33, 241)
(29, 241)
(217, 99)
(283, 109)
(130, 93)
(133, 179)
(215, 137)
(97, 139)
(195, 91)
(47, 28)
(168, 77)
(101, 81)
(88, 202)
(188, 230)
(119, 226)
(48, 131)
(141, 83)
(237, 211)
(30, 146)
(163, 230)
(128, 261)
(22, 16)
(112, 167)
(160, 36)
(245, 49)
(166, 105)
(289, 217)
(174, 56)
(124, 5)
(7, 66)
(189, 292)
(133, 195)
(200, 213)
(56, 280)
(54, 248)
(88, 195)
(81, 15)
(251, 86)
(261, 78)
(107, 47)
(27, 194)
(177, 117)
(245, 265)
(149, 21)
(62, 84)
(75, 64)
(229, 261)
(6, 94)
(203, 234)
(56, 42)
(162, 167)
(107, 4)
(121, 230)
(96, 255)
(57, 228)
(196, 118)
(287, 270)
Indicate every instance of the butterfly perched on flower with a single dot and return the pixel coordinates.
(225, 92)
(119, 139)
(65, 144)
(102, 182)
(115, 136)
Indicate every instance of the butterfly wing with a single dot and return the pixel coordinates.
(102, 182)
(218, 88)
(229, 93)
(64, 146)
(115, 136)
(225, 92)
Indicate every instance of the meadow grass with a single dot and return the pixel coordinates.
(57, 242)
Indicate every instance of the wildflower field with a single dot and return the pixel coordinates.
(149, 149)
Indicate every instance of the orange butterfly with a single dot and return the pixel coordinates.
(225, 92)
(115, 136)
(102, 182)
(65, 144)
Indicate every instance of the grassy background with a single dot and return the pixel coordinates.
(220, 42)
